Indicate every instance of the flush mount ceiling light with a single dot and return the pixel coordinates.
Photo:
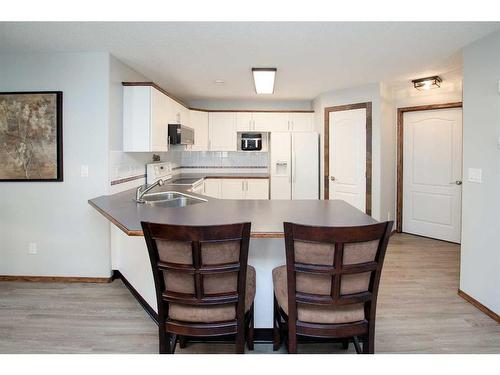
(427, 83)
(219, 81)
(263, 79)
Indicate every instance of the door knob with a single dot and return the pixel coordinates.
(332, 178)
(458, 182)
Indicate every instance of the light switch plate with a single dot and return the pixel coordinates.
(84, 171)
(32, 248)
(475, 175)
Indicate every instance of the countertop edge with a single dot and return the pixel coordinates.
(138, 233)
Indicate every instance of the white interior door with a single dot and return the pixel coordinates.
(347, 157)
(432, 173)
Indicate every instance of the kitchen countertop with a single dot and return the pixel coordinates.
(266, 216)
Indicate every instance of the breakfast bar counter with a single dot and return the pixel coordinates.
(129, 253)
(266, 216)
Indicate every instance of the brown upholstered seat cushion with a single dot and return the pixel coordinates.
(216, 313)
(315, 313)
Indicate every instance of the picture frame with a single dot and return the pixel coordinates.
(31, 136)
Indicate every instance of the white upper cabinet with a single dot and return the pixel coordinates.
(147, 112)
(222, 131)
(145, 119)
(270, 121)
(244, 121)
(185, 116)
(274, 121)
(199, 122)
(301, 122)
(177, 113)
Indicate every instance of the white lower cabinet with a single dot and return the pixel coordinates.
(237, 188)
(233, 188)
(257, 188)
(212, 187)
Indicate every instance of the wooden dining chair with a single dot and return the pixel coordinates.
(328, 287)
(204, 286)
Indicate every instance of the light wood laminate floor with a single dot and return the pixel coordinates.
(418, 312)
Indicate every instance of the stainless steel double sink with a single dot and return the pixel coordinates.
(171, 199)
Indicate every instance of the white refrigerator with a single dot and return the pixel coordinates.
(294, 164)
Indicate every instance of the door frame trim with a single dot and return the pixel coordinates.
(326, 149)
(400, 144)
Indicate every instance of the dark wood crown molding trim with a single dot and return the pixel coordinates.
(400, 129)
(255, 110)
(152, 84)
(493, 315)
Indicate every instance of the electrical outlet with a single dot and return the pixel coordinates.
(388, 215)
(84, 171)
(32, 248)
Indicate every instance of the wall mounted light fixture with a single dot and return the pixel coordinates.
(427, 83)
(263, 79)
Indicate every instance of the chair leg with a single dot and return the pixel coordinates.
(250, 332)
(240, 336)
(292, 342)
(276, 326)
(292, 337)
(345, 344)
(240, 343)
(356, 345)
(369, 344)
(165, 346)
(182, 342)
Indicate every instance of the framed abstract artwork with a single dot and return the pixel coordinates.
(31, 136)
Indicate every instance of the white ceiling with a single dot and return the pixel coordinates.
(311, 57)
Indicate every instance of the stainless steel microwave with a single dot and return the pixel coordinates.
(251, 141)
(180, 135)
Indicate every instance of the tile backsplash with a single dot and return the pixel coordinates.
(127, 170)
(224, 159)
(130, 164)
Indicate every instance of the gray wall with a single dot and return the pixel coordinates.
(366, 93)
(480, 254)
(73, 239)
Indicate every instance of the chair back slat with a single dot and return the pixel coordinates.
(334, 265)
(198, 265)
